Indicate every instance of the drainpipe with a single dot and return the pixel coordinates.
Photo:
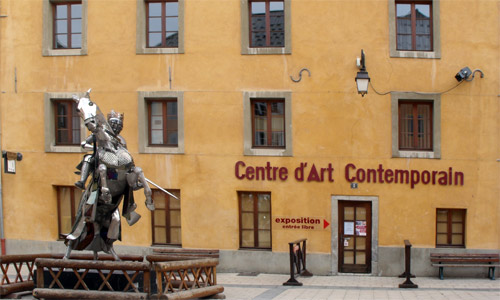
(2, 237)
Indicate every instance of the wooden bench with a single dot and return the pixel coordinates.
(443, 260)
(169, 254)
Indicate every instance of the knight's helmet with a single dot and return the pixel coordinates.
(115, 120)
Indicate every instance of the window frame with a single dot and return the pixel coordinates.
(267, 16)
(142, 25)
(69, 19)
(73, 207)
(435, 33)
(248, 136)
(435, 99)
(449, 224)
(69, 119)
(168, 225)
(245, 31)
(413, 21)
(256, 229)
(163, 19)
(48, 40)
(415, 125)
(269, 120)
(142, 98)
(50, 128)
(165, 129)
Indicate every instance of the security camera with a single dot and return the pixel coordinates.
(463, 74)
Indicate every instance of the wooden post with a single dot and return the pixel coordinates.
(297, 261)
(39, 276)
(408, 284)
(305, 272)
(292, 280)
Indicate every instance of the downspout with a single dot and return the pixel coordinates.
(2, 236)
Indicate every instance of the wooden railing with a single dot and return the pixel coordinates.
(185, 279)
(183, 275)
(18, 271)
(80, 270)
(298, 261)
(178, 276)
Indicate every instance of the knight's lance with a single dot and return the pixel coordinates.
(161, 189)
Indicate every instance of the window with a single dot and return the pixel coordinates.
(67, 25)
(68, 199)
(267, 123)
(64, 27)
(416, 125)
(166, 218)
(266, 26)
(160, 26)
(450, 228)
(255, 220)
(162, 122)
(67, 122)
(414, 28)
(64, 129)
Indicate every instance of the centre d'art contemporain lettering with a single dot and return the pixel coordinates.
(312, 173)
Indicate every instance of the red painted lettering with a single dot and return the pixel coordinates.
(283, 173)
(237, 170)
(250, 173)
(313, 175)
(360, 175)
(388, 176)
(415, 178)
(347, 177)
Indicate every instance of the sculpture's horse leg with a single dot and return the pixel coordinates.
(105, 192)
(136, 175)
(114, 225)
(69, 248)
(113, 253)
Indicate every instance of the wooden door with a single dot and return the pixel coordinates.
(355, 238)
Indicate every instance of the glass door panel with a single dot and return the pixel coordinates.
(354, 236)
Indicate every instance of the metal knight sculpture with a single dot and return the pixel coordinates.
(114, 178)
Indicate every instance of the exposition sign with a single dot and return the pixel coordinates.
(307, 223)
(324, 173)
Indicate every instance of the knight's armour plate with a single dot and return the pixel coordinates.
(118, 159)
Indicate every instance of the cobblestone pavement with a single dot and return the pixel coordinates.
(349, 287)
(270, 286)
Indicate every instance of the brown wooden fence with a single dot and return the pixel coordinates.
(178, 276)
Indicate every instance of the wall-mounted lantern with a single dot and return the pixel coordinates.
(362, 78)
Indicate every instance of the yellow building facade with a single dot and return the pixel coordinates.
(335, 170)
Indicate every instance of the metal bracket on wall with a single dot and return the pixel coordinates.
(169, 77)
(300, 75)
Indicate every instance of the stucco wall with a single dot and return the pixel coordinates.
(331, 123)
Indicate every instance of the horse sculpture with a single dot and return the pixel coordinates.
(114, 178)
